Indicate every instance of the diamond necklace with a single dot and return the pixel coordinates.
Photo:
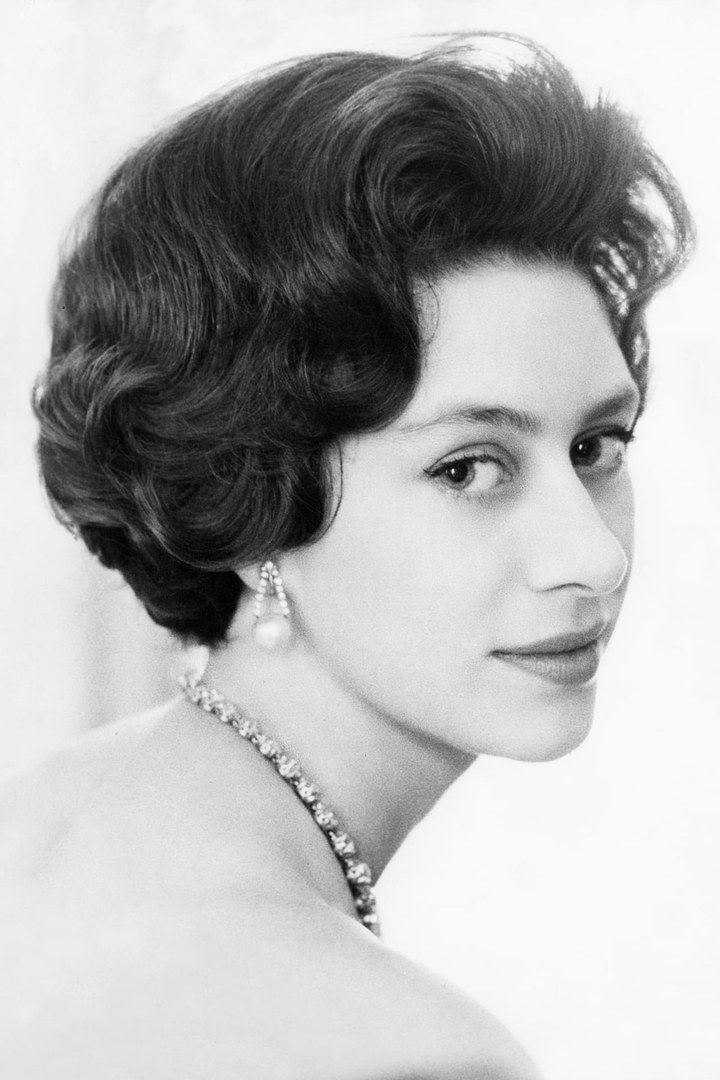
(357, 873)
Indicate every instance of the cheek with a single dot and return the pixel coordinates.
(615, 505)
(403, 583)
(619, 515)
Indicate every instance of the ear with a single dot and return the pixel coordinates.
(249, 574)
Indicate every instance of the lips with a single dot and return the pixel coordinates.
(559, 643)
(570, 659)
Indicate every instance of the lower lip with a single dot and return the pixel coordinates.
(572, 668)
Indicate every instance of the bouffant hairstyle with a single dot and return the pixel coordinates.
(242, 291)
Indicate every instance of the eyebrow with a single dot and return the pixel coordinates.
(518, 419)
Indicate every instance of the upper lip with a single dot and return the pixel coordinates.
(560, 642)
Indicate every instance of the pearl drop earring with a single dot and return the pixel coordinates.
(271, 629)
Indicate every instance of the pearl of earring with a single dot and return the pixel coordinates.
(272, 629)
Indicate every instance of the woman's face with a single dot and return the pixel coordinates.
(480, 553)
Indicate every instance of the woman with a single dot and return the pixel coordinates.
(345, 366)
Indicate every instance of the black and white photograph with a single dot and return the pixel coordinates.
(360, 550)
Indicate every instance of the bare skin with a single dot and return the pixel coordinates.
(168, 918)
(175, 911)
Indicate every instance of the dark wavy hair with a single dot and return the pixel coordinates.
(241, 292)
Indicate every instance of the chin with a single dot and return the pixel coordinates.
(547, 732)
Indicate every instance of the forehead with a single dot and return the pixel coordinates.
(532, 337)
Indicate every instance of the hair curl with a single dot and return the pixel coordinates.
(241, 291)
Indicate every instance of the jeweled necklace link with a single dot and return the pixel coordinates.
(357, 873)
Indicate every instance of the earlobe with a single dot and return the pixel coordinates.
(249, 575)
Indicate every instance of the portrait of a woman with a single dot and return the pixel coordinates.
(346, 364)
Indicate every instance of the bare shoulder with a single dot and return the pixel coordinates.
(252, 987)
(132, 951)
(377, 1014)
(42, 802)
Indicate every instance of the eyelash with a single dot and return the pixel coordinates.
(624, 437)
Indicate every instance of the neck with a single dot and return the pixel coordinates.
(378, 775)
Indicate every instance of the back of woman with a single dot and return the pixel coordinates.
(138, 943)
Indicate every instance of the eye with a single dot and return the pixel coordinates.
(472, 474)
(602, 452)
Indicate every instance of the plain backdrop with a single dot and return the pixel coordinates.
(579, 899)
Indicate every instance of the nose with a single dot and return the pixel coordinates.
(568, 542)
